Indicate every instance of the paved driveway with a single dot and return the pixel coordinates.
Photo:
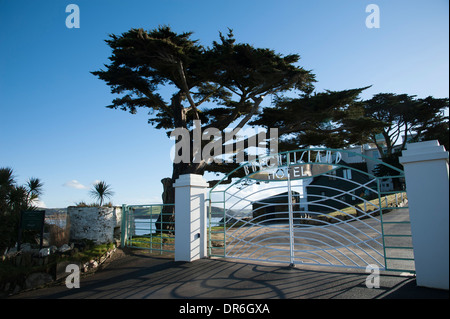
(352, 243)
(139, 275)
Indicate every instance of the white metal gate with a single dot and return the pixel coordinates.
(313, 207)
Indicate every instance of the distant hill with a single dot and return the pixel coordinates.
(218, 212)
(53, 211)
(144, 212)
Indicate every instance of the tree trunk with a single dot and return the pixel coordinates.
(168, 196)
(166, 220)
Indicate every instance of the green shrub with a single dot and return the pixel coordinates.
(14, 199)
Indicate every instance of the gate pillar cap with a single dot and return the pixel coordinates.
(423, 151)
(192, 180)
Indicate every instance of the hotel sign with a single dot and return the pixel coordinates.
(293, 165)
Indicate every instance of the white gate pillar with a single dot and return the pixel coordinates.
(427, 185)
(190, 217)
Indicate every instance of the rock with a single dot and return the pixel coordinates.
(18, 260)
(26, 260)
(93, 264)
(45, 239)
(17, 289)
(37, 279)
(44, 252)
(25, 247)
(64, 248)
(217, 243)
(53, 249)
(40, 261)
(12, 252)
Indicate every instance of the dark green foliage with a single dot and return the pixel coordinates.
(222, 85)
(14, 199)
(333, 118)
(429, 121)
(406, 118)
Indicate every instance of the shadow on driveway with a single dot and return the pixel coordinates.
(139, 275)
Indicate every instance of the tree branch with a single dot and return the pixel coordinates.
(186, 89)
(252, 112)
(207, 96)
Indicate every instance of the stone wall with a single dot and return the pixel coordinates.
(99, 224)
(38, 271)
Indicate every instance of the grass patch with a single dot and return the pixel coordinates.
(91, 253)
(153, 242)
(386, 202)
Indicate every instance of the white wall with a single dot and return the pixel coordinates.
(94, 223)
(427, 186)
(191, 217)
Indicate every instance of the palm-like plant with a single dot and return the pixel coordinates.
(101, 191)
(14, 199)
(34, 189)
(7, 183)
(6, 177)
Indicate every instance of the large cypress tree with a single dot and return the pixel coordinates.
(223, 86)
(234, 76)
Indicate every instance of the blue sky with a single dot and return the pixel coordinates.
(53, 121)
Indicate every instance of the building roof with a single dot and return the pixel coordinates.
(275, 198)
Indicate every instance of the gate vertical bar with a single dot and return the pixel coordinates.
(123, 226)
(224, 225)
(291, 217)
(380, 204)
(209, 225)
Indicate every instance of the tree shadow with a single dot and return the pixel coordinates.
(144, 276)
